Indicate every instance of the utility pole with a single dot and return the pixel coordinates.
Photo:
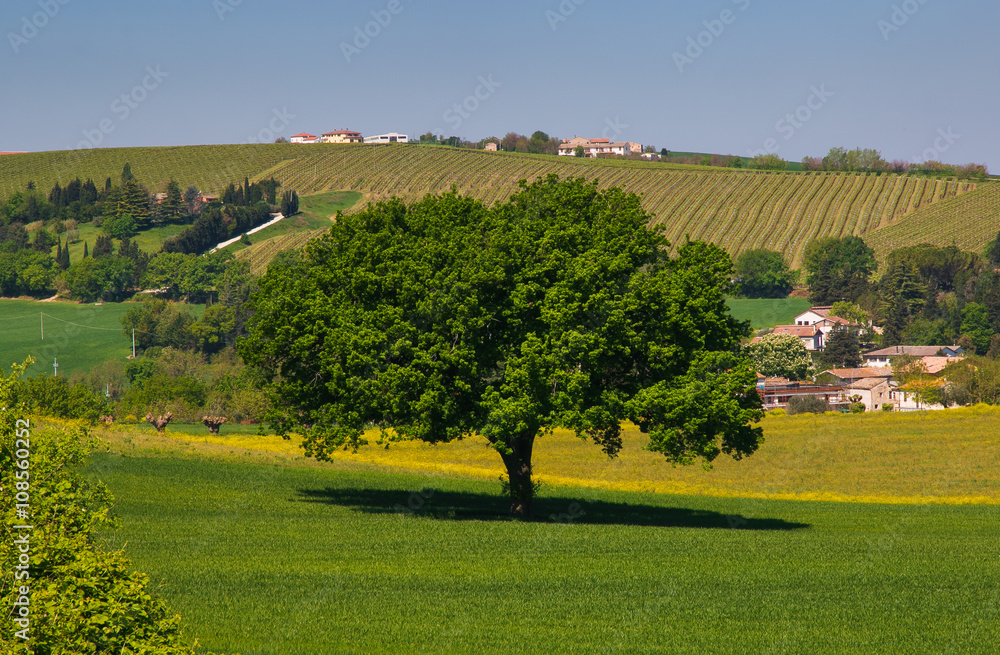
(133, 343)
(55, 367)
(41, 316)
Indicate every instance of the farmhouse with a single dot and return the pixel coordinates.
(391, 137)
(304, 137)
(873, 392)
(595, 147)
(812, 337)
(848, 376)
(823, 318)
(490, 147)
(342, 136)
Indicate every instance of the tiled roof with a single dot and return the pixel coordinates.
(869, 383)
(860, 373)
(913, 351)
(797, 330)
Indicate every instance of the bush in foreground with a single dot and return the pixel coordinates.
(81, 598)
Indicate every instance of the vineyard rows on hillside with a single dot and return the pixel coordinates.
(968, 221)
(736, 209)
(210, 168)
(261, 254)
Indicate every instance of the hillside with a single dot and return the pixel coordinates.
(968, 221)
(736, 209)
(210, 168)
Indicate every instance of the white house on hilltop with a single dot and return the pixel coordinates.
(391, 137)
(304, 137)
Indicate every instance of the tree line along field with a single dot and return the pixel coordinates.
(735, 209)
(269, 554)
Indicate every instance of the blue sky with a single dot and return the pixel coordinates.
(922, 82)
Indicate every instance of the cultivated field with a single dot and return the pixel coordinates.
(268, 553)
(210, 168)
(736, 209)
(968, 221)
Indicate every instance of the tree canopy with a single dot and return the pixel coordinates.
(780, 355)
(763, 273)
(838, 269)
(445, 319)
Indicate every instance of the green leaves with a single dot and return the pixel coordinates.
(444, 319)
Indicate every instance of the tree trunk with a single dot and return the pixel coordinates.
(518, 465)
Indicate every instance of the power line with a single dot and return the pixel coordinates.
(89, 327)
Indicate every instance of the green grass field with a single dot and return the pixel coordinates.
(78, 336)
(268, 555)
(765, 313)
(149, 241)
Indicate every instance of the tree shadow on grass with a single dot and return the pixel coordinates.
(465, 506)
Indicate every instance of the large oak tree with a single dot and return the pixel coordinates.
(446, 319)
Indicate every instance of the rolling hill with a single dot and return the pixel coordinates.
(737, 209)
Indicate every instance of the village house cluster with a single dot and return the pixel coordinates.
(872, 384)
(349, 136)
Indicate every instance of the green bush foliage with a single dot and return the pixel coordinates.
(82, 599)
(807, 405)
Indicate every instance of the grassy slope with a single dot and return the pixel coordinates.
(316, 212)
(148, 240)
(265, 557)
(766, 313)
(968, 221)
(79, 336)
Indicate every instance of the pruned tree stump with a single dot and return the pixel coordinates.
(213, 423)
(107, 420)
(160, 422)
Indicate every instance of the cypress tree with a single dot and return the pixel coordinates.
(59, 251)
(86, 253)
(65, 257)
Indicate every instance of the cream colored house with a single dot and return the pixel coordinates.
(595, 147)
(874, 392)
(342, 136)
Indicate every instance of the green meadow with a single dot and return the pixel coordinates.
(767, 312)
(78, 336)
(263, 553)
